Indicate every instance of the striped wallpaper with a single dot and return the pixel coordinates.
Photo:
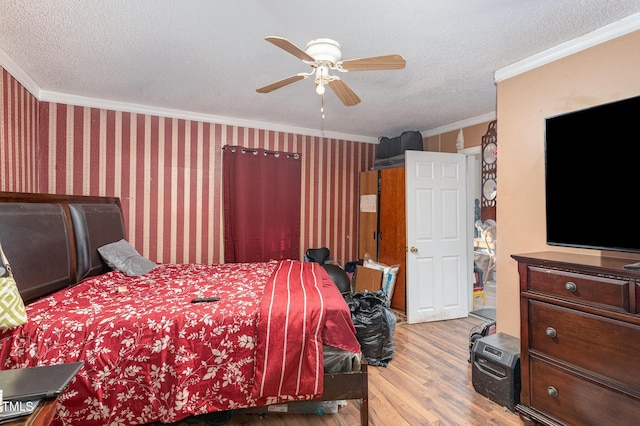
(18, 136)
(168, 172)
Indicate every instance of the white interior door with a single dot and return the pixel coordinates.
(438, 269)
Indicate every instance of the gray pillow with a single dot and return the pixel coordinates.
(122, 257)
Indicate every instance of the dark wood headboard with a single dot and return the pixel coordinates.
(51, 241)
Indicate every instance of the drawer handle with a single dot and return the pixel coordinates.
(553, 392)
(551, 332)
(571, 286)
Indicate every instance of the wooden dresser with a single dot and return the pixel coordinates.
(580, 340)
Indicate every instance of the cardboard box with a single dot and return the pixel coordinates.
(367, 279)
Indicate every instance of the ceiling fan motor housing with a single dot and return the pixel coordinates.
(324, 50)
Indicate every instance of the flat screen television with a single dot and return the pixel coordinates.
(592, 177)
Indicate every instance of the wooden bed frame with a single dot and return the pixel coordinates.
(52, 241)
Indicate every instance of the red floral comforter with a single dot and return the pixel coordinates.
(152, 355)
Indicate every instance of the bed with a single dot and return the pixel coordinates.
(151, 355)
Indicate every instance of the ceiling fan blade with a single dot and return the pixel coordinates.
(384, 62)
(281, 83)
(344, 92)
(285, 44)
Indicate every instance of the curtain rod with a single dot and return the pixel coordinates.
(255, 151)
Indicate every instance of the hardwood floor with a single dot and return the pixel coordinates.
(428, 382)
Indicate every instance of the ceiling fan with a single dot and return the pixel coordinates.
(325, 55)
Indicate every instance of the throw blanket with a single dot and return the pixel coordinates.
(289, 362)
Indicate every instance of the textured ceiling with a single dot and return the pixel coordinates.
(208, 58)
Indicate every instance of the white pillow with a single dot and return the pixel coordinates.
(123, 257)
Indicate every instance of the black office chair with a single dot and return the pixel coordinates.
(337, 274)
(319, 255)
(339, 277)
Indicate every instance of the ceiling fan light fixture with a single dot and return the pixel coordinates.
(321, 78)
(324, 49)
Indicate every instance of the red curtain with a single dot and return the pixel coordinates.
(261, 204)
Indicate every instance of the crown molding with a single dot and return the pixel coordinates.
(608, 32)
(57, 97)
(18, 73)
(490, 116)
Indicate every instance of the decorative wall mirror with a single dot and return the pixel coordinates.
(489, 173)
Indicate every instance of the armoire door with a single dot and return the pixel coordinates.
(368, 216)
(392, 249)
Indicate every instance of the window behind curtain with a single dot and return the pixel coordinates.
(261, 204)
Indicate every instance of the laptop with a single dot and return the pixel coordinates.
(23, 384)
(14, 409)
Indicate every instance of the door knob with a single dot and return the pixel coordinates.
(413, 250)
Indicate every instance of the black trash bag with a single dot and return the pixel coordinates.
(375, 325)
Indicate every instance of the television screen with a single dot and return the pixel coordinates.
(592, 177)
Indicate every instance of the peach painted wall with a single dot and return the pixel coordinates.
(168, 174)
(600, 74)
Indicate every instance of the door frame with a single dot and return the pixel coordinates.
(474, 175)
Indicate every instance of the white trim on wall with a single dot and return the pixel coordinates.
(18, 73)
(608, 32)
(460, 124)
(474, 150)
(57, 97)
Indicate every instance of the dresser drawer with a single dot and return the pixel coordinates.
(574, 401)
(606, 347)
(583, 288)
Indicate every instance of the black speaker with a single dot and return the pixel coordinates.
(495, 369)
